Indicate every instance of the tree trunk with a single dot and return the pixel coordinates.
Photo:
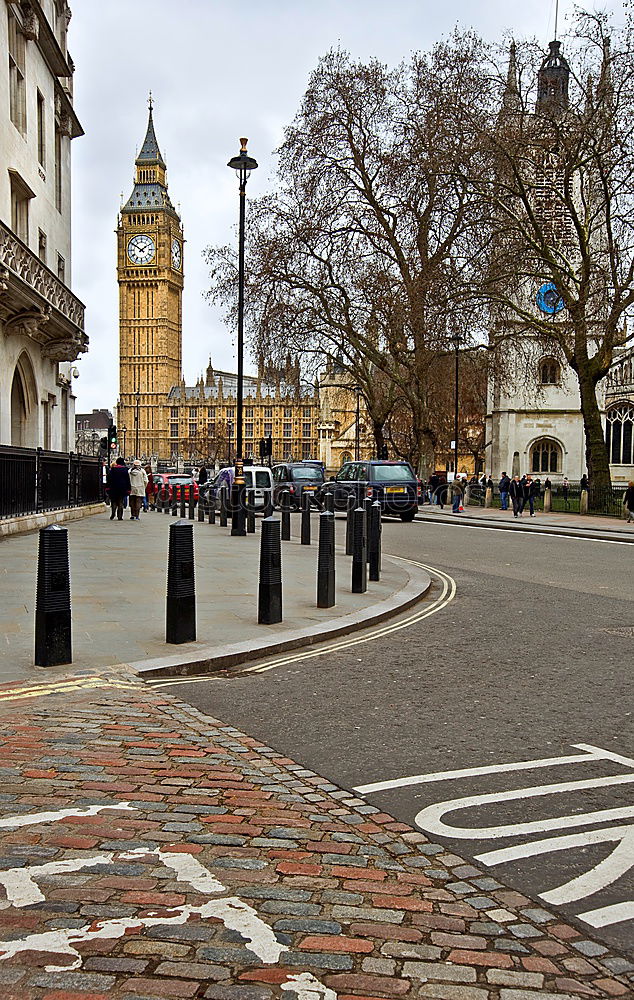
(379, 439)
(597, 459)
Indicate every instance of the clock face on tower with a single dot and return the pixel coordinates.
(177, 255)
(141, 249)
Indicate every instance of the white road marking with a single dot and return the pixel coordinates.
(447, 595)
(308, 988)
(605, 873)
(607, 915)
(430, 818)
(51, 817)
(20, 883)
(526, 533)
(534, 847)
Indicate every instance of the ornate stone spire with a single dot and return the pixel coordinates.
(552, 81)
(511, 101)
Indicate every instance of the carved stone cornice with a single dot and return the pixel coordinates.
(34, 303)
(31, 22)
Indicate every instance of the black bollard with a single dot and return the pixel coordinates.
(329, 502)
(223, 507)
(174, 502)
(180, 622)
(359, 555)
(250, 512)
(326, 560)
(201, 509)
(285, 501)
(306, 520)
(270, 584)
(191, 495)
(351, 504)
(374, 542)
(212, 508)
(181, 493)
(53, 643)
(367, 507)
(268, 506)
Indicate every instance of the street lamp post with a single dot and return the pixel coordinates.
(357, 429)
(456, 342)
(243, 164)
(136, 423)
(124, 431)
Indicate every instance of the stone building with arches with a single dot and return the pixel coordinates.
(619, 417)
(41, 320)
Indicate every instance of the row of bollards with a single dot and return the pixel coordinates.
(53, 627)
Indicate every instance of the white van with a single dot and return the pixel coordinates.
(257, 477)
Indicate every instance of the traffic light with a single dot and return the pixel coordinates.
(384, 452)
(112, 438)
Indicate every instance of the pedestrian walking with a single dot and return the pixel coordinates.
(150, 490)
(528, 495)
(138, 485)
(202, 475)
(118, 487)
(628, 500)
(516, 495)
(457, 492)
(565, 489)
(504, 486)
(434, 483)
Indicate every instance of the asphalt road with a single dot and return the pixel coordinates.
(531, 661)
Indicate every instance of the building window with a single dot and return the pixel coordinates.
(307, 412)
(211, 429)
(41, 131)
(193, 428)
(248, 430)
(288, 412)
(17, 88)
(174, 430)
(193, 413)
(288, 430)
(58, 170)
(61, 268)
(41, 246)
(619, 437)
(346, 457)
(230, 410)
(306, 449)
(549, 372)
(174, 412)
(248, 412)
(211, 412)
(268, 430)
(20, 197)
(268, 411)
(307, 430)
(545, 456)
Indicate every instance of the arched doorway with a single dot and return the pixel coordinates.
(24, 433)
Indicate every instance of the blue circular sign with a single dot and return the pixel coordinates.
(549, 300)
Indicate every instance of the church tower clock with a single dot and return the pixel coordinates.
(150, 276)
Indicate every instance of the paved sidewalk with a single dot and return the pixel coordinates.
(118, 587)
(580, 525)
(150, 852)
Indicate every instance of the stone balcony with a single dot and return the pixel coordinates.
(34, 303)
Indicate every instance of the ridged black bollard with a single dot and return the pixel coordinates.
(180, 621)
(251, 512)
(201, 509)
(326, 560)
(329, 502)
(305, 519)
(174, 503)
(183, 510)
(191, 496)
(268, 506)
(359, 554)
(270, 584)
(285, 501)
(374, 542)
(53, 642)
(350, 504)
(223, 507)
(212, 509)
(367, 507)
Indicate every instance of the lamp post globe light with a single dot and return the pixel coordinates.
(243, 164)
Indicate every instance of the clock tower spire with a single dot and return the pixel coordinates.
(150, 276)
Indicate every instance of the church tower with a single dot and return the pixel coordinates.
(150, 276)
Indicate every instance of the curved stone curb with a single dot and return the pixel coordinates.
(602, 535)
(212, 658)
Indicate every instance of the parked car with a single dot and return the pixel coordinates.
(256, 477)
(298, 478)
(393, 484)
(170, 485)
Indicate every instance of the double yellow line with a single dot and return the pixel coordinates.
(61, 687)
(448, 592)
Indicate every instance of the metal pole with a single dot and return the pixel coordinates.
(357, 454)
(455, 413)
(243, 198)
(305, 535)
(136, 425)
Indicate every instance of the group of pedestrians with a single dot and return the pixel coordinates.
(134, 485)
(522, 492)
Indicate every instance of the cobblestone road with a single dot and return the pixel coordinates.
(148, 851)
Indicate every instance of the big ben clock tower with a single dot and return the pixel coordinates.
(150, 276)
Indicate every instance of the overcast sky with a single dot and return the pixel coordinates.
(217, 69)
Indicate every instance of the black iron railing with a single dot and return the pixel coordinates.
(606, 501)
(33, 480)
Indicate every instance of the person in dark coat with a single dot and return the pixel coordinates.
(202, 475)
(529, 491)
(516, 493)
(119, 487)
(434, 483)
(628, 500)
(504, 486)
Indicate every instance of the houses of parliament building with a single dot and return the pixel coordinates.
(170, 420)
